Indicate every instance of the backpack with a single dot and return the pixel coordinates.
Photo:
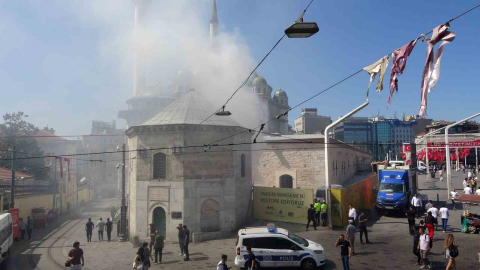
(453, 251)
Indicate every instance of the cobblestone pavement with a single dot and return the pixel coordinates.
(391, 248)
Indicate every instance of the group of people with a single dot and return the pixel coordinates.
(26, 228)
(316, 212)
(102, 226)
(470, 184)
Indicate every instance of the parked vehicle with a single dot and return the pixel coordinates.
(39, 217)
(277, 247)
(6, 235)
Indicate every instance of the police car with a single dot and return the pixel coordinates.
(277, 247)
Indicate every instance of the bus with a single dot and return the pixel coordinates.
(6, 235)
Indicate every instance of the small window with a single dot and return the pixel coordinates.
(242, 165)
(248, 242)
(160, 166)
(281, 243)
(265, 242)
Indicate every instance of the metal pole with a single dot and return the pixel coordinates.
(12, 190)
(327, 173)
(427, 161)
(476, 159)
(54, 183)
(458, 159)
(123, 214)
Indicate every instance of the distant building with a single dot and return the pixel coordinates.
(357, 131)
(467, 127)
(422, 123)
(310, 123)
(389, 135)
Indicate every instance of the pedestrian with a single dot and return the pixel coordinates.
(181, 237)
(411, 219)
(147, 256)
(75, 256)
(362, 223)
(139, 257)
(317, 207)
(152, 229)
(350, 233)
(422, 225)
(434, 211)
(454, 196)
(463, 168)
(473, 183)
(89, 228)
(465, 183)
(251, 259)
(101, 226)
(444, 216)
(352, 213)
(186, 232)
(159, 243)
(323, 215)
(23, 227)
(113, 211)
(431, 227)
(469, 175)
(440, 172)
(30, 224)
(416, 239)
(478, 191)
(222, 265)
(448, 247)
(467, 190)
(345, 251)
(311, 216)
(428, 205)
(423, 246)
(109, 226)
(417, 203)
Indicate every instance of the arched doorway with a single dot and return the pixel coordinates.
(286, 181)
(210, 216)
(159, 220)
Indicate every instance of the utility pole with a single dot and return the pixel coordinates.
(12, 190)
(123, 213)
(54, 182)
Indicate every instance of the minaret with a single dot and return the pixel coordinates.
(140, 9)
(214, 21)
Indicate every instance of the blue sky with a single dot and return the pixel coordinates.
(65, 64)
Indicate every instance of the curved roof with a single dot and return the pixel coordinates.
(280, 93)
(190, 108)
(259, 80)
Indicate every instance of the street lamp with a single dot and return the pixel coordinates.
(123, 213)
(300, 29)
(447, 152)
(327, 175)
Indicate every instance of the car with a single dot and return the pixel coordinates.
(277, 247)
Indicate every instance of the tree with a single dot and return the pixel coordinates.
(17, 134)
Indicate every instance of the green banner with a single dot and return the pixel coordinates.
(282, 204)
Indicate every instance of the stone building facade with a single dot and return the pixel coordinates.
(290, 163)
(174, 178)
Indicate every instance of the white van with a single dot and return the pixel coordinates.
(277, 247)
(6, 235)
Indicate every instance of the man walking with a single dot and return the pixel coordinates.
(159, 242)
(467, 190)
(152, 229)
(411, 219)
(311, 216)
(423, 246)
(222, 265)
(417, 203)
(250, 263)
(323, 208)
(444, 215)
(362, 220)
(317, 207)
(350, 233)
(23, 227)
(428, 205)
(345, 251)
(30, 224)
(76, 257)
(89, 228)
(181, 237)
(454, 196)
(109, 226)
(186, 232)
(434, 211)
(352, 213)
(100, 225)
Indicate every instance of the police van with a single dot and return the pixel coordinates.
(277, 247)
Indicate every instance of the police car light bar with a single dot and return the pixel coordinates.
(271, 227)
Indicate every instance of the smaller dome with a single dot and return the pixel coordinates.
(259, 81)
(280, 93)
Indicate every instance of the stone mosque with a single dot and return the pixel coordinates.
(175, 181)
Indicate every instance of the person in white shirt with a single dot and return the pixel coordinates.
(416, 203)
(352, 213)
(222, 264)
(434, 211)
(465, 183)
(444, 216)
(467, 190)
(423, 246)
(454, 196)
(469, 175)
(477, 192)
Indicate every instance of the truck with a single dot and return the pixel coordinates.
(397, 186)
(6, 237)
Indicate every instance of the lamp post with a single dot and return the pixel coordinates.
(123, 213)
(327, 173)
(300, 29)
(447, 152)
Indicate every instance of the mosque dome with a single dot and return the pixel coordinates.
(259, 81)
(280, 93)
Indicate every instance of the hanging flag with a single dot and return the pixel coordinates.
(379, 67)
(399, 62)
(60, 160)
(68, 167)
(431, 71)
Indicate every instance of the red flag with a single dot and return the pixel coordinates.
(68, 167)
(60, 159)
